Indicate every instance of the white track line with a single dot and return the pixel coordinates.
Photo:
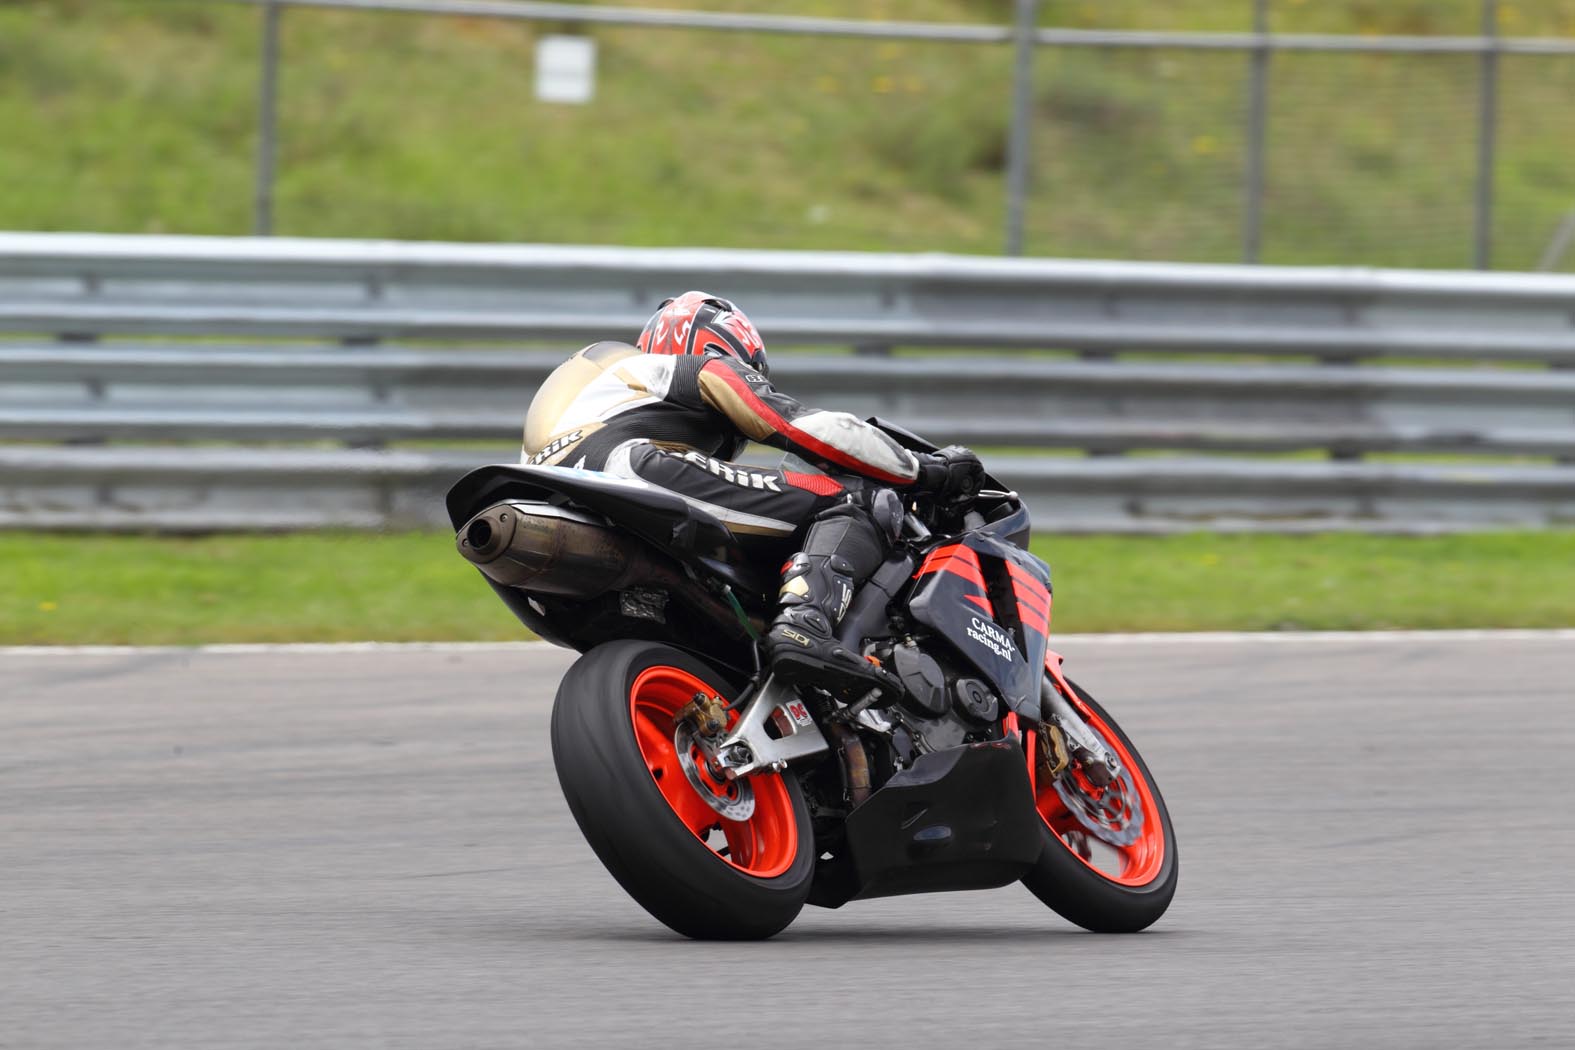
(1073, 640)
(1298, 637)
(300, 648)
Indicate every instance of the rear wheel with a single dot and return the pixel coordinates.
(1109, 862)
(710, 858)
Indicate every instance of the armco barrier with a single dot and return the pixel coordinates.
(140, 417)
(84, 285)
(362, 396)
(199, 490)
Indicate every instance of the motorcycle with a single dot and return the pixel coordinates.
(723, 801)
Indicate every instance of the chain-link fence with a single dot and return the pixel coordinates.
(1422, 133)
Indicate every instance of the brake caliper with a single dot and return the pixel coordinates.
(708, 715)
(1053, 758)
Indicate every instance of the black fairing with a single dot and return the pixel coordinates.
(965, 593)
(960, 819)
(540, 623)
(1010, 522)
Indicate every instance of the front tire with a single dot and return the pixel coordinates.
(643, 812)
(1113, 870)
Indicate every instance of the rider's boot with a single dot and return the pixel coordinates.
(802, 643)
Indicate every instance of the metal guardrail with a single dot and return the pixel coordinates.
(356, 397)
(89, 285)
(202, 490)
(77, 288)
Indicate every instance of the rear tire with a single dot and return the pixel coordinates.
(612, 746)
(1141, 877)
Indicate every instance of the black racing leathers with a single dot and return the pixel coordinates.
(676, 421)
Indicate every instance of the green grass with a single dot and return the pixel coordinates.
(139, 116)
(58, 589)
(1316, 582)
(305, 587)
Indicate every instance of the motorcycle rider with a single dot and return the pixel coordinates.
(677, 408)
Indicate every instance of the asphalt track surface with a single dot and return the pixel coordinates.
(297, 849)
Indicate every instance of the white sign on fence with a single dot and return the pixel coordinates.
(566, 69)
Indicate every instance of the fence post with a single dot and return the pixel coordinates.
(1487, 137)
(1017, 162)
(1257, 132)
(267, 121)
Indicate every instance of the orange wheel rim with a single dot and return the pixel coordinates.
(1131, 863)
(764, 844)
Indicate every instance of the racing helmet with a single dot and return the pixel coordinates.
(701, 323)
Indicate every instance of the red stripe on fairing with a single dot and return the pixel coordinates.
(937, 558)
(1022, 573)
(1027, 579)
(1033, 606)
(1032, 600)
(956, 559)
(799, 437)
(1033, 584)
(1036, 619)
(959, 561)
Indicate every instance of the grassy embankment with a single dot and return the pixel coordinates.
(78, 590)
(139, 116)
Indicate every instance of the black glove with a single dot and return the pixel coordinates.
(954, 474)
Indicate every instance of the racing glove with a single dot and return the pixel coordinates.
(954, 474)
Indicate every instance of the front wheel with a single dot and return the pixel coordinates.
(1109, 862)
(712, 859)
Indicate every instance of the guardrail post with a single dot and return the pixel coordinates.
(1017, 160)
(267, 121)
(1487, 136)
(1257, 134)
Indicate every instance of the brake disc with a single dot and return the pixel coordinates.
(1115, 816)
(735, 800)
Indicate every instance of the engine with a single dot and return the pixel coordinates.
(940, 708)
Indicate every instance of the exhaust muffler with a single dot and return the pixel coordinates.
(544, 549)
(553, 550)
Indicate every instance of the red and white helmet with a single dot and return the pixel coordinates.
(701, 323)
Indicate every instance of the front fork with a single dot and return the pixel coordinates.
(1055, 697)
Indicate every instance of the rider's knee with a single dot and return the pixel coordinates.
(860, 529)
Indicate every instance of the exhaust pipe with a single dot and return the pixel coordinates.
(545, 549)
(553, 550)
